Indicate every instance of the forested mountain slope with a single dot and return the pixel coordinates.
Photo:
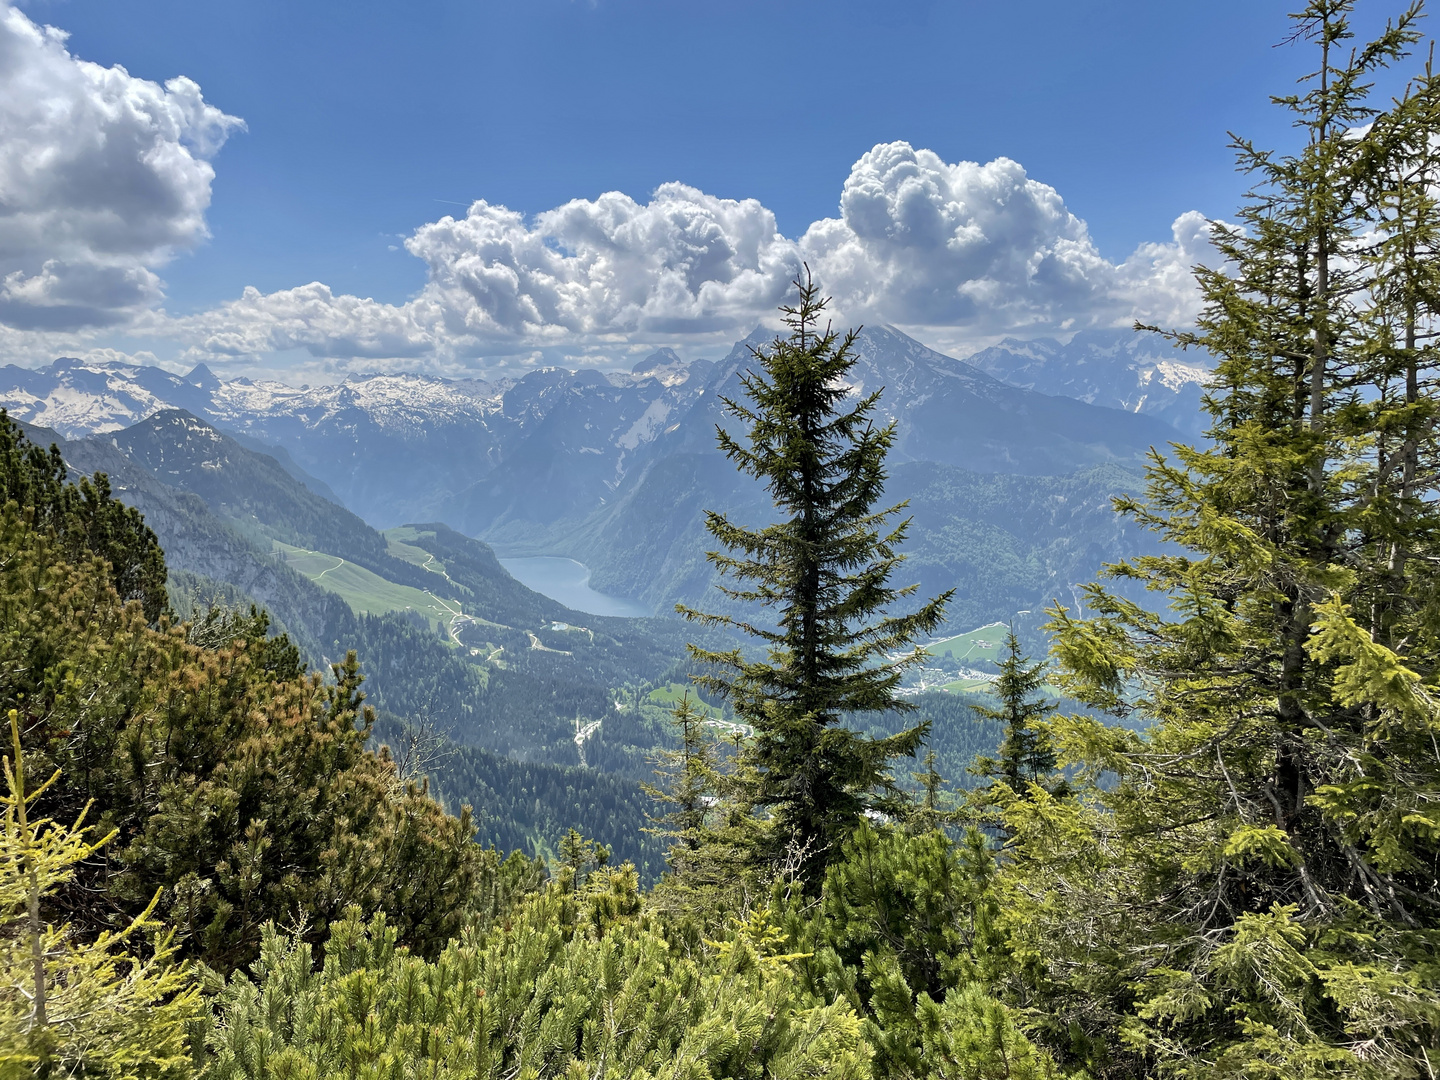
(513, 685)
(1004, 542)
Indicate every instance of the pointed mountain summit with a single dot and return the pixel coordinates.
(203, 377)
(951, 411)
(968, 447)
(660, 358)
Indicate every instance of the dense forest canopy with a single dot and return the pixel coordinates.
(1224, 863)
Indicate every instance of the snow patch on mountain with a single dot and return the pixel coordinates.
(391, 402)
(1175, 376)
(650, 424)
(76, 398)
(1120, 369)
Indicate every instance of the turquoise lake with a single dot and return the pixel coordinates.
(568, 582)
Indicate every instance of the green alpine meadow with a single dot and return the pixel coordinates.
(963, 738)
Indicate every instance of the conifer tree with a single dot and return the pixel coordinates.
(85, 518)
(934, 806)
(689, 775)
(1266, 874)
(1026, 755)
(711, 833)
(823, 574)
(578, 856)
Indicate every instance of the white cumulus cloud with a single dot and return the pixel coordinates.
(307, 317)
(607, 271)
(959, 252)
(979, 250)
(684, 262)
(103, 178)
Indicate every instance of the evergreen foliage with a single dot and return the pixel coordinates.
(712, 834)
(824, 573)
(690, 776)
(116, 1007)
(1026, 755)
(237, 784)
(83, 519)
(577, 983)
(1262, 882)
(906, 930)
(529, 806)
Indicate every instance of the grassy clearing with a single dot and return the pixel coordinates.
(397, 543)
(670, 695)
(964, 686)
(364, 591)
(982, 686)
(983, 643)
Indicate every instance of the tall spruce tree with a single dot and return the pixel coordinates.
(1026, 755)
(1259, 894)
(823, 575)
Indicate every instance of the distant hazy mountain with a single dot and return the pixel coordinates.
(75, 398)
(1005, 542)
(199, 542)
(616, 468)
(1001, 511)
(510, 458)
(1121, 369)
(393, 448)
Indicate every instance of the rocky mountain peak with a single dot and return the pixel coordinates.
(203, 377)
(1118, 368)
(660, 358)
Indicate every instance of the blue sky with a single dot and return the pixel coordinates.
(365, 122)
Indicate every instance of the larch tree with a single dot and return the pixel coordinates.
(822, 576)
(117, 1005)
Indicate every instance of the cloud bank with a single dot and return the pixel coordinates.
(985, 249)
(961, 252)
(105, 177)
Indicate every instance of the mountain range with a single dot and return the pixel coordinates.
(615, 469)
(362, 515)
(1119, 369)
